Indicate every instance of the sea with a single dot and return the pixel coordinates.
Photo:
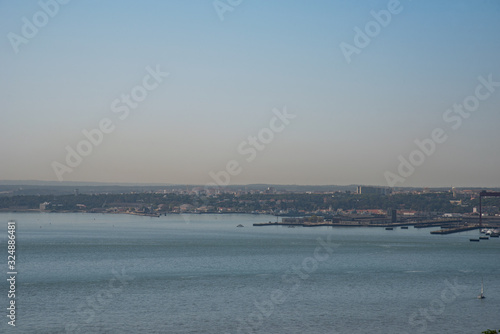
(118, 273)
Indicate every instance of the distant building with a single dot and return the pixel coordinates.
(393, 214)
(311, 219)
(373, 190)
(371, 212)
(271, 190)
(186, 207)
(452, 215)
(486, 210)
(44, 206)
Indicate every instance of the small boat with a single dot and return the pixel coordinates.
(494, 235)
(240, 225)
(389, 228)
(481, 296)
(475, 240)
(484, 238)
(404, 227)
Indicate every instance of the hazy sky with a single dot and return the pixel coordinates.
(362, 87)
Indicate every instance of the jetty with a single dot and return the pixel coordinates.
(455, 230)
(446, 225)
(365, 223)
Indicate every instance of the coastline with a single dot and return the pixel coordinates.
(445, 225)
(21, 210)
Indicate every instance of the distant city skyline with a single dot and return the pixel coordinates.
(384, 93)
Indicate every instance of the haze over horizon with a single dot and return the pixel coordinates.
(330, 93)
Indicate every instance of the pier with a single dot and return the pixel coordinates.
(452, 223)
(447, 226)
(455, 230)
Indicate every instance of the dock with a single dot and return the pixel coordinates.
(455, 230)
(270, 224)
(448, 226)
(368, 223)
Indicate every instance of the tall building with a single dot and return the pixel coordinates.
(373, 190)
(393, 214)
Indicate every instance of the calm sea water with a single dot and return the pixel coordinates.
(94, 273)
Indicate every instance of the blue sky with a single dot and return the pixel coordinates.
(353, 120)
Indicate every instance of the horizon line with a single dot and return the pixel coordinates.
(159, 184)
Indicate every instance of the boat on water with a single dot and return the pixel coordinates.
(404, 227)
(484, 237)
(490, 231)
(474, 240)
(481, 295)
(389, 228)
(240, 225)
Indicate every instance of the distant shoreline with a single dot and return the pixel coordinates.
(133, 213)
